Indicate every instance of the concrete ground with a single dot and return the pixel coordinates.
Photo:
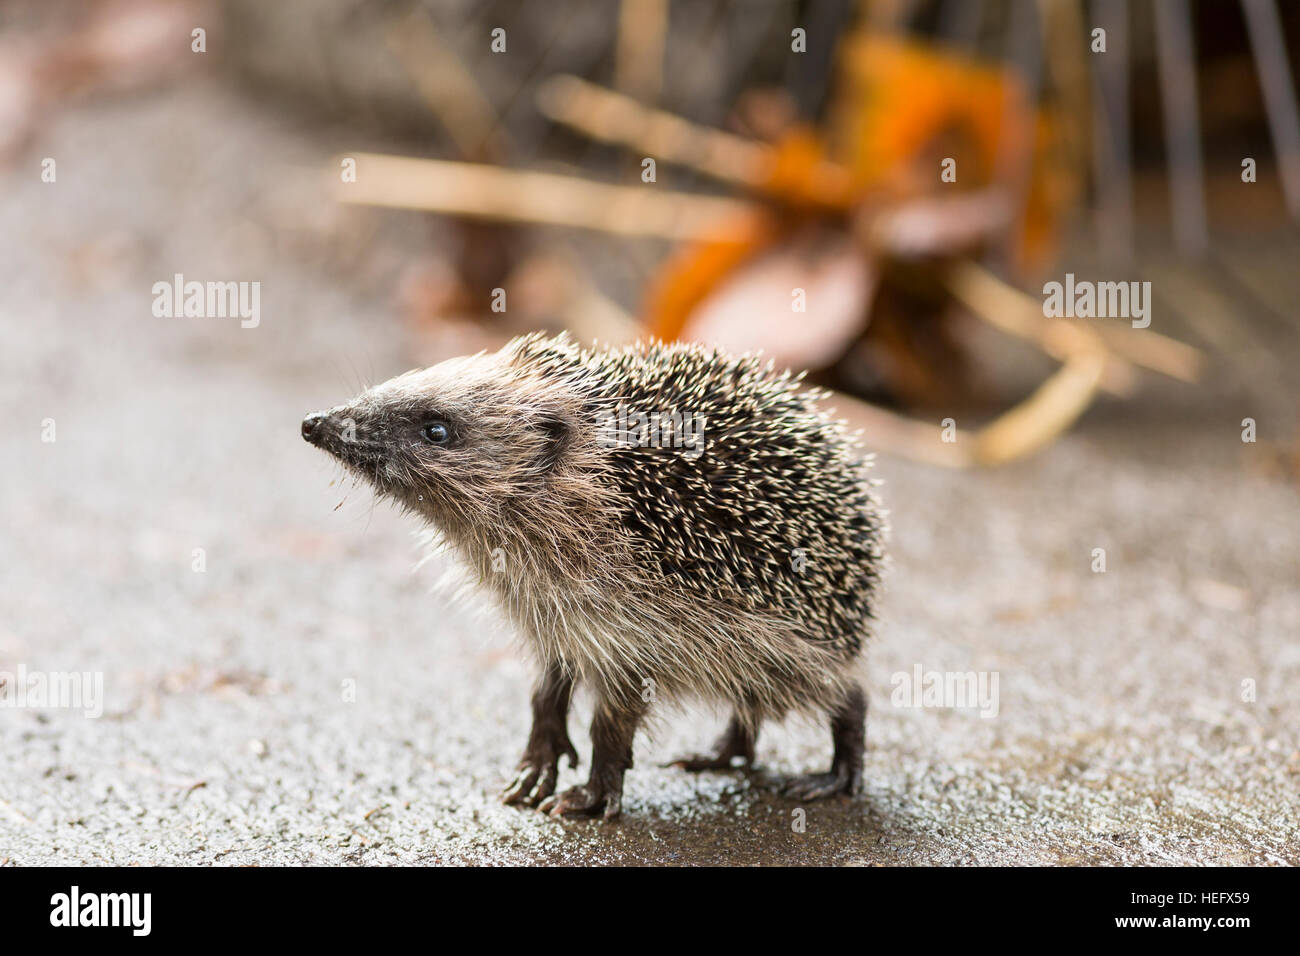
(1125, 731)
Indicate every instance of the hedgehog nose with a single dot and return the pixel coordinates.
(311, 425)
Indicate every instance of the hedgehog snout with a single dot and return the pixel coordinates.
(337, 432)
(328, 429)
(311, 426)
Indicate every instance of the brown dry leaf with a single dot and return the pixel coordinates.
(937, 226)
(902, 106)
(754, 307)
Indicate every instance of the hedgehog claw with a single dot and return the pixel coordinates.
(532, 784)
(818, 786)
(585, 800)
(536, 777)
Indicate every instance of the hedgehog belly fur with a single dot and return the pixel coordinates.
(664, 647)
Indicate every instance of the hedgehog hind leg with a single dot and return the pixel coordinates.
(849, 732)
(736, 741)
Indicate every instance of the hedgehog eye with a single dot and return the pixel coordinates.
(436, 433)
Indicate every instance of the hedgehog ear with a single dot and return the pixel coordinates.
(558, 429)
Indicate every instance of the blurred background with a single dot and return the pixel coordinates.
(907, 165)
(871, 192)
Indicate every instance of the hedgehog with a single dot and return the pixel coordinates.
(660, 522)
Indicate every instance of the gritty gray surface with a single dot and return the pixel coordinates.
(1121, 738)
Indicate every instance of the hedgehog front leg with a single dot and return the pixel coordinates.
(547, 742)
(613, 726)
(849, 731)
(736, 741)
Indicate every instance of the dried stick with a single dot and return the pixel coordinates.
(1043, 416)
(1112, 150)
(610, 117)
(908, 438)
(639, 64)
(1268, 40)
(1012, 311)
(1020, 431)
(1176, 59)
(490, 192)
(445, 84)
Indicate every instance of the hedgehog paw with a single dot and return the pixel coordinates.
(586, 800)
(818, 786)
(737, 741)
(721, 760)
(537, 774)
